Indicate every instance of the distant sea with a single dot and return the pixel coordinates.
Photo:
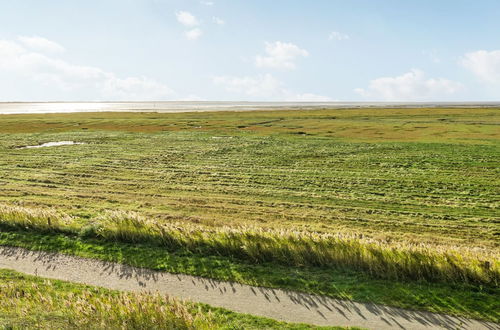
(62, 107)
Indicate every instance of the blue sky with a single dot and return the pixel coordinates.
(258, 50)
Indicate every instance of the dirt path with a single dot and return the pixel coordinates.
(277, 304)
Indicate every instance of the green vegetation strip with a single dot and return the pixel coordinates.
(378, 259)
(457, 299)
(30, 302)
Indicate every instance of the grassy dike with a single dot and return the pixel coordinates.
(457, 299)
(28, 302)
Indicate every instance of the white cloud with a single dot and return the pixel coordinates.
(134, 88)
(193, 34)
(334, 35)
(9, 50)
(60, 75)
(186, 18)
(207, 3)
(484, 64)
(41, 44)
(411, 86)
(261, 86)
(264, 87)
(218, 21)
(280, 55)
(192, 98)
(309, 97)
(189, 20)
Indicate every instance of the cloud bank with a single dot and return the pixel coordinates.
(59, 75)
(265, 87)
(485, 65)
(410, 86)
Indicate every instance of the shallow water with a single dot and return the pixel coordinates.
(52, 144)
(58, 107)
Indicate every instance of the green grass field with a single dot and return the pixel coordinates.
(400, 198)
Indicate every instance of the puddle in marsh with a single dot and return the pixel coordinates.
(52, 144)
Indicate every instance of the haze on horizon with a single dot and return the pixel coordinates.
(221, 50)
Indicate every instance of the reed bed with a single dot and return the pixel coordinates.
(388, 260)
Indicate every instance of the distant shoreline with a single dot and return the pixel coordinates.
(209, 106)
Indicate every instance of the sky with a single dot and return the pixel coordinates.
(252, 50)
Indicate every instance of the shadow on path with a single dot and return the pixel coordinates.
(274, 303)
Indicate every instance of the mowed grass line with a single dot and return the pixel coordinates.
(402, 191)
(31, 302)
(456, 299)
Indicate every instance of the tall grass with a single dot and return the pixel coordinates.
(90, 309)
(388, 260)
(33, 218)
(30, 302)
(396, 260)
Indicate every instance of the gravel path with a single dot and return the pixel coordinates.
(277, 304)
